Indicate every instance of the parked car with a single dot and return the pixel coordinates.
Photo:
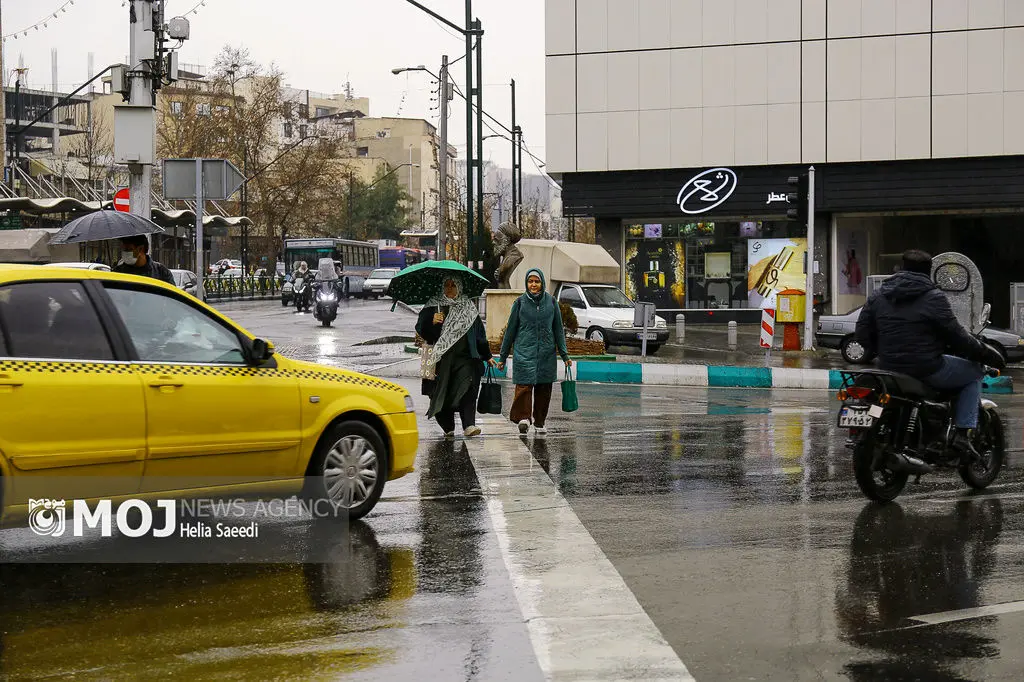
(377, 283)
(83, 266)
(258, 423)
(186, 280)
(604, 313)
(837, 331)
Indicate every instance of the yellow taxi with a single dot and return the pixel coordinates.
(115, 386)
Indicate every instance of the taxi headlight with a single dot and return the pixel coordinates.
(409, 407)
(622, 324)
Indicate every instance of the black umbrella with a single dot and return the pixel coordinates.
(101, 225)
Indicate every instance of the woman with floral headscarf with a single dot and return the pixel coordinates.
(451, 323)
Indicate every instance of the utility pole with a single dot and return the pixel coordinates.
(517, 135)
(3, 97)
(470, 251)
(479, 140)
(515, 200)
(142, 56)
(442, 171)
(809, 298)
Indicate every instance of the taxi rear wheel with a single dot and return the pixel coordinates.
(349, 469)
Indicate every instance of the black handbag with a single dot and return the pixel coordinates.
(490, 396)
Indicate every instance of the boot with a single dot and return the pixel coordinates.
(962, 443)
(905, 463)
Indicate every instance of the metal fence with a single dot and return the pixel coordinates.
(221, 288)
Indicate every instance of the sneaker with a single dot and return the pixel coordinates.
(471, 431)
(524, 426)
(910, 465)
(541, 432)
(449, 434)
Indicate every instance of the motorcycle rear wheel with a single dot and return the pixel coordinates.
(881, 486)
(991, 444)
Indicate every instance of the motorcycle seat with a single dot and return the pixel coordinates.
(904, 384)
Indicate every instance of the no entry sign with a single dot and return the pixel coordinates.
(121, 200)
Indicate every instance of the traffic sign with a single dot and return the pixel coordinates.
(219, 176)
(121, 200)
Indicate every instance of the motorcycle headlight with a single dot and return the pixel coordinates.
(622, 324)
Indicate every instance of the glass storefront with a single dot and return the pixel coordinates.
(715, 264)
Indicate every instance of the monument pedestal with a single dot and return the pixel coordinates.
(499, 305)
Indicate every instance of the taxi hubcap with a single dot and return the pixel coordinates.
(350, 471)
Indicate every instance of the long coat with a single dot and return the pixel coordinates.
(535, 332)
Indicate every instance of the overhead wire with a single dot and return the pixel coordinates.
(44, 22)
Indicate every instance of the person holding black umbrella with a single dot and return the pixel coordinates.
(135, 260)
(459, 348)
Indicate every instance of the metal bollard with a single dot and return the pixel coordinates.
(680, 328)
(732, 335)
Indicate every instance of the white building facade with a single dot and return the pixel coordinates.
(911, 112)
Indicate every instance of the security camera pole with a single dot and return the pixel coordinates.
(142, 56)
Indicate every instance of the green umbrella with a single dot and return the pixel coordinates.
(419, 283)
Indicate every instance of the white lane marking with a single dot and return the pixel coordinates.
(968, 614)
(584, 622)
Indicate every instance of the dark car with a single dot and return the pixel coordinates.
(836, 331)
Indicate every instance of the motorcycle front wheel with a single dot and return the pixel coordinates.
(882, 485)
(991, 445)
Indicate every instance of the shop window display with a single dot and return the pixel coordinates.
(708, 265)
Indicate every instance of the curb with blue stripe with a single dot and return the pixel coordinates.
(715, 376)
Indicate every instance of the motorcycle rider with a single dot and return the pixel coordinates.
(910, 325)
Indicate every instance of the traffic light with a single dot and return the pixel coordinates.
(797, 198)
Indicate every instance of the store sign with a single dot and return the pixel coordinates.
(706, 191)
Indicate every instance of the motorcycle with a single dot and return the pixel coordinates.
(891, 414)
(326, 307)
(302, 292)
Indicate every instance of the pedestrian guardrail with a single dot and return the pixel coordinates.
(225, 288)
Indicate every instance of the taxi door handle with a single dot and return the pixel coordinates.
(166, 383)
(6, 380)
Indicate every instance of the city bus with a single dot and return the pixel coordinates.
(358, 259)
(401, 257)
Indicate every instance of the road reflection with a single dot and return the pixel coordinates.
(338, 604)
(905, 564)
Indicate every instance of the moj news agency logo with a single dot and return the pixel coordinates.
(48, 517)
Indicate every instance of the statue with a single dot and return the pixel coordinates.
(511, 256)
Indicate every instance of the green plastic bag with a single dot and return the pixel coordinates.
(570, 403)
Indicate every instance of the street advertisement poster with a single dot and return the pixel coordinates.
(655, 271)
(852, 246)
(774, 265)
(718, 265)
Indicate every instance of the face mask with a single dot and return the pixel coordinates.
(128, 257)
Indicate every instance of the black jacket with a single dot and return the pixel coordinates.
(150, 269)
(910, 325)
(479, 348)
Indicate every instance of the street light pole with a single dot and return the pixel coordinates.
(470, 252)
(442, 194)
(515, 196)
(479, 141)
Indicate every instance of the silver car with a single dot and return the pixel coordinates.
(186, 280)
(837, 331)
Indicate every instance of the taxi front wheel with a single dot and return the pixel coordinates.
(349, 469)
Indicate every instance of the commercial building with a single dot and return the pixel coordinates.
(676, 123)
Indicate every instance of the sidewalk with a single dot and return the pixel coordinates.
(705, 360)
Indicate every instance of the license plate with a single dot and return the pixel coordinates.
(650, 336)
(855, 418)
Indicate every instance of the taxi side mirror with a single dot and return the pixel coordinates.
(260, 351)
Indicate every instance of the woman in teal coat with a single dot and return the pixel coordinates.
(536, 334)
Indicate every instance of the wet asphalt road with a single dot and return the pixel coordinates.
(731, 516)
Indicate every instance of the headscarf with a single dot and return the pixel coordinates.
(462, 313)
(536, 298)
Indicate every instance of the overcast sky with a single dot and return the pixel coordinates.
(319, 44)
